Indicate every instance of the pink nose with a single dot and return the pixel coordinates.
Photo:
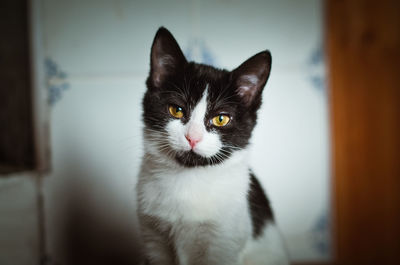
(192, 141)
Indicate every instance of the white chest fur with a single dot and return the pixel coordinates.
(198, 194)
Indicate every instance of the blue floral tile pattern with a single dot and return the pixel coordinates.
(315, 64)
(320, 232)
(56, 81)
(198, 51)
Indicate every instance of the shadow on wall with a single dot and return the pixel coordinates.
(89, 233)
(87, 240)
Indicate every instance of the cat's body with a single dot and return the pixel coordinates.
(198, 201)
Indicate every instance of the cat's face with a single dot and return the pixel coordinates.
(195, 114)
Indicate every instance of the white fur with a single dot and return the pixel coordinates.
(210, 194)
(252, 79)
(196, 194)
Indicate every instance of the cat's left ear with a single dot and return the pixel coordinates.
(251, 76)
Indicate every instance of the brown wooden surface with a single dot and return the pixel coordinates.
(363, 48)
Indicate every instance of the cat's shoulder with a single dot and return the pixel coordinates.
(259, 205)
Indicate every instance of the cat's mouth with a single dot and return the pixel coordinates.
(192, 159)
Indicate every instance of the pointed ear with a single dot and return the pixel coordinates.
(166, 57)
(251, 76)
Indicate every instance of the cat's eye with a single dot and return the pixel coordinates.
(220, 120)
(176, 111)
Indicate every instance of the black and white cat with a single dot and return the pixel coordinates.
(198, 201)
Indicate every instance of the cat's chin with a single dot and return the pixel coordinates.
(191, 159)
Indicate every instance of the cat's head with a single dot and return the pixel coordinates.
(195, 114)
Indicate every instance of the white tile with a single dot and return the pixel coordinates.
(235, 30)
(108, 37)
(19, 228)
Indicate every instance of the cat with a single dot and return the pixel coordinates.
(198, 201)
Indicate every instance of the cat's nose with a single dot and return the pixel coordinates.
(194, 134)
(192, 140)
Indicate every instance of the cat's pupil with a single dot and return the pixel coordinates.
(178, 109)
(220, 118)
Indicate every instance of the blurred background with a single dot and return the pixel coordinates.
(325, 148)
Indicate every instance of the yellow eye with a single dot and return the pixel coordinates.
(176, 112)
(220, 120)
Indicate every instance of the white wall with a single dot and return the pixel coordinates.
(97, 61)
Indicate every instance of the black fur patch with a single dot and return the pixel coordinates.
(173, 80)
(260, 209)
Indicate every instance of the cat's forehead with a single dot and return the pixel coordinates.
(197, 79)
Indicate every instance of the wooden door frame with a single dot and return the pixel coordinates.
(40, 96)
(362, 45)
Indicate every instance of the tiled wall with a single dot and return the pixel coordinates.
(19, 220)
(97, 58)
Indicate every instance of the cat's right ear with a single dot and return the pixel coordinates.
(166, 57)
(251, 76)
